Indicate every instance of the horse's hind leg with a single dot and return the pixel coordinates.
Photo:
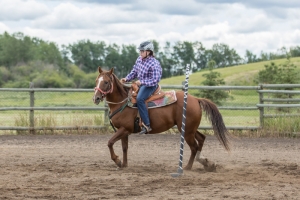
(200, 139)
(190, 140)
(207, 164)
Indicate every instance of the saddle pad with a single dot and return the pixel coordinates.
(170, 97)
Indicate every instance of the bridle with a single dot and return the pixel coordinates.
(104, 93)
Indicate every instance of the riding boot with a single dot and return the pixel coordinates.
(145, 129)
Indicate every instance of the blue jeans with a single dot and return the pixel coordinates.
(144, 93)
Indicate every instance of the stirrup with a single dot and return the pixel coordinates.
(145, 129)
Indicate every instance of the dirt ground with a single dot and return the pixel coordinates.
(79, 167)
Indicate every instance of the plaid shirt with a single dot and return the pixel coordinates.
(147, 70)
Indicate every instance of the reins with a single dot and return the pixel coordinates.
(115, 112)
(117, 102)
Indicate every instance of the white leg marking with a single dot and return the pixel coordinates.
(198, 156)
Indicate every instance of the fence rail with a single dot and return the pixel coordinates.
(54, 108)
(260, 106)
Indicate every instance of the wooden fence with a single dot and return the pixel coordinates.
(263, 103)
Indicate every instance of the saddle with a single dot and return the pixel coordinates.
(157, 94)
(158, 98)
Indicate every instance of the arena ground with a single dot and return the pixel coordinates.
(79, 167)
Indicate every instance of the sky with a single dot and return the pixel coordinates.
(253, 25)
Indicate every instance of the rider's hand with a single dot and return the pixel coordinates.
(123, 80)
(138, 82)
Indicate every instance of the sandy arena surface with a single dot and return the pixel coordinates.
(79, 167)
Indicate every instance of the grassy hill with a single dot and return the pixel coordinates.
(235, 75)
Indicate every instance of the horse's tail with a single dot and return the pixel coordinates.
(214, 116)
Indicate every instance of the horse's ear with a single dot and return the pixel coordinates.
(99, 69)
(111, 71)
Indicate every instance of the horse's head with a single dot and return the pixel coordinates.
(104, 85)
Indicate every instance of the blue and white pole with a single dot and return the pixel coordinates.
(180, 170)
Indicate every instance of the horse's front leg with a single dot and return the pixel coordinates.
(121, 133)
(125, 148)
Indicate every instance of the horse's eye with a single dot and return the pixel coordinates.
(106, 82)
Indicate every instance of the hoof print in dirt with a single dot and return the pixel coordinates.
(208, 165)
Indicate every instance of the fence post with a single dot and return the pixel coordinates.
(183, 84)
(31, 112)
(261, 109)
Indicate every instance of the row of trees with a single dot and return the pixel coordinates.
(26, 59)
(281, 53)
(87, 55)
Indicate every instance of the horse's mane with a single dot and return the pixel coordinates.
(123, 89)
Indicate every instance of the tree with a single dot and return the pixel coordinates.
(113, 58)
(250, 57)
(213, 79)
(295, 51)
(156, 46)
(200, 55)
(15, 49)
(87, 55)
(223, 55)
(48, 53)
(184, 52)
(166, 60)
(264, 56)
(128, 56)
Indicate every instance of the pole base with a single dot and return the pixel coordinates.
(179, 173)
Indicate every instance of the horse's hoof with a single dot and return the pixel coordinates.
(187, 168)
(119, 164)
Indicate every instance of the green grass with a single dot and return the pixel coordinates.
(52, 118)
(47, 99)
(282, 127)
(232, 75)
(236, 118)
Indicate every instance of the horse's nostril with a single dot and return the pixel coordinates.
(98, 98)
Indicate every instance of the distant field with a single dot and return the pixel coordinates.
(240, 74)
(236, 75)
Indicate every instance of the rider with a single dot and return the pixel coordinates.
(148, 71)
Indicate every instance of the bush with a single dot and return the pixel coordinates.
(52, 79)
(213, 79)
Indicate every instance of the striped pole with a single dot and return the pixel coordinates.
(180, 170)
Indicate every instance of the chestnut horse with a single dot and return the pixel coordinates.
(162, 119)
